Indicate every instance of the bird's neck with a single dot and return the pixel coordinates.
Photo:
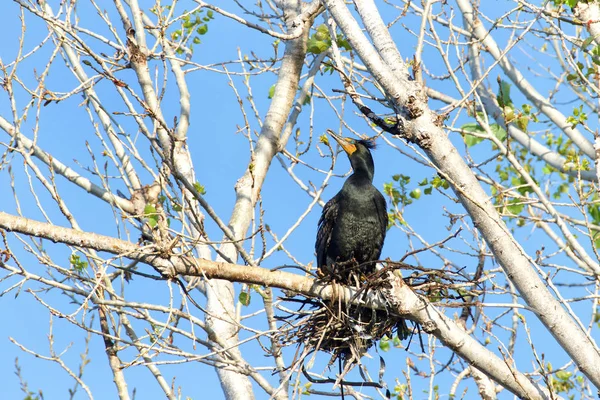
(363, 172)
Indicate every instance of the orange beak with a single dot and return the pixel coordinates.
(346, 143)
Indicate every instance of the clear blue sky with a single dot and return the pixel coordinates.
(220, 158)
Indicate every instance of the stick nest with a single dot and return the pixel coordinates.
(346, 331)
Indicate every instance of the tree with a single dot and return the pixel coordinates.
(483, 120)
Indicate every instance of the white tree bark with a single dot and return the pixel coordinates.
(97, 105)
(400, 297)
(537, 99)
(98, 73)
(61, 169)
(220, 294)
(536, 148)
(589, 14)
(422, 128)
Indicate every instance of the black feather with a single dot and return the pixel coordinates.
(368, 143)
(353, 225)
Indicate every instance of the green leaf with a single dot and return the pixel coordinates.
(498, 131)
(523, 122)
(547, 170)
(202, 29)
(343, 43)
(388, 188)
(151, 214)
(322, 32)
(563, 375)
(509, 113)
(415, 194)
(200, 188)
(316, 46)
(587, 42)
(472, 127)
(436, 182)
(77, 263)
(503, 95)
(244, 298)
(321, 37)
(515, 208)
(306, 389)
(471, 140)
(562, 188)
(594, 211)
(596, 237)
(384, 344)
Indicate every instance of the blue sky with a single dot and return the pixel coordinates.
(220, 157)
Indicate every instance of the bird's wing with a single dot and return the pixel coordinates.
(326, 224)
(382, 214)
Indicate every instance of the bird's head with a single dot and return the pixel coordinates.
(358, 152)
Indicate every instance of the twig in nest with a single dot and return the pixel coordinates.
(341, 382)
(344, 330)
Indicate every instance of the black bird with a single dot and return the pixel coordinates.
(353, 225)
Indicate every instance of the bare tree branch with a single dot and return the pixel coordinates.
(403, 300)
(424, 130)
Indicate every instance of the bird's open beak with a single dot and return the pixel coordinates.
(346, 144)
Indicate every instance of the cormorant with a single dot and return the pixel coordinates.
(353, 225)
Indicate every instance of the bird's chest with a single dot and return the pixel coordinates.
(358, 229)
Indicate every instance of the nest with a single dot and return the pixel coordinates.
(346, 331)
